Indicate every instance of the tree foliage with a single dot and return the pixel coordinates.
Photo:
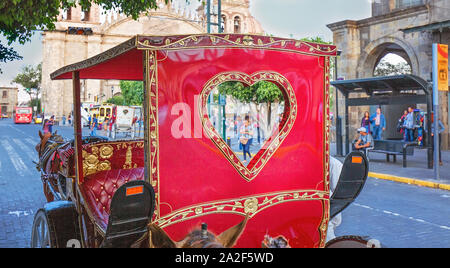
(261, 92)
(20, 18)
(30, 78)
(385, 68)
(132, 94)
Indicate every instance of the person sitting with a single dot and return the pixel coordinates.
(365, 141)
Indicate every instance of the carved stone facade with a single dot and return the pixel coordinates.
(8, 100)
(407, 28)
(61, 48)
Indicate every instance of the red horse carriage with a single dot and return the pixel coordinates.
(189, 169)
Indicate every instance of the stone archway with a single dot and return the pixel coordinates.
(376, 50)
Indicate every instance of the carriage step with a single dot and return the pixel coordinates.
(132, 208)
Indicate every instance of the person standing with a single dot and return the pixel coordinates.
(409, 125)
(51, 122)
(401, 123)
(69, 119)
(246, 138)
(94, 126)
(379, 124)
(365, 122)
(45, 126)
(64, 120)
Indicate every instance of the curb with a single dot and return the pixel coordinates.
(422, 183)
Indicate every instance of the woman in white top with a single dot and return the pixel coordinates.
(246, 132)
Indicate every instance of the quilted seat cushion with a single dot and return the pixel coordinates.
(98, 190)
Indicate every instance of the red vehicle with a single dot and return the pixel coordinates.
(185, 172)
(23, 115)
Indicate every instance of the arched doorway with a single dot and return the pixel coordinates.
(388, 57)
(377, 50)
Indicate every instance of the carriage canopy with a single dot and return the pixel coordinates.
(191, 149)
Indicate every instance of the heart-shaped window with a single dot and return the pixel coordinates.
(248, 117)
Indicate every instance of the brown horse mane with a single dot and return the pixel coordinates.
(156, 237)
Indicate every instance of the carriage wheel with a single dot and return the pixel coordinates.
(41, 236)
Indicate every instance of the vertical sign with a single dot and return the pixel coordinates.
(442, 68)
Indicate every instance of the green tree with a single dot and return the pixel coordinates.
(132, 94)
(117, 100)
(263, 92)
(385, 68)
(30, 78)
(20, 18)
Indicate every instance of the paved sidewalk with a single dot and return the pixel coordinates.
(417, 166)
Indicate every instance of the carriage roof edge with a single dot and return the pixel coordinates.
(110, 63)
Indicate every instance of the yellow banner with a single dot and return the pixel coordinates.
(442, 67)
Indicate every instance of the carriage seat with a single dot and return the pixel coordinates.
(107, 166)
(100, 188)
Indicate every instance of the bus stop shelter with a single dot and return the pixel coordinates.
(388, 90)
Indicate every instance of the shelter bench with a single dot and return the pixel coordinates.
(394, 148)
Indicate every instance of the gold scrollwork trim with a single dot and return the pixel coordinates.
(250, 205)
(237, 41)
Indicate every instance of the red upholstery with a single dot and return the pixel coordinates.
(124, 161)
(100, 188)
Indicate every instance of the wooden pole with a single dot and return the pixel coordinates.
(78, 135)
(78, 132)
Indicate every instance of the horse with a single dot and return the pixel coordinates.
(49, 162)
(198, 238)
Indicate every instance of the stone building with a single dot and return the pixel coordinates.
(61, 48)
(407, 28)
(8, 100)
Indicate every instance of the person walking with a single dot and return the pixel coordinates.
(365, 121)
(64, 120)
(246, 138)
(94, 126)
(409, 125)
(379, 124)
(69, 119)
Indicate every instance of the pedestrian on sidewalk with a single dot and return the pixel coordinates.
(379, 124)
(365, 121)
(401, 123)
(94, 126)
(64, 120)
(246, 138)
(409, 125)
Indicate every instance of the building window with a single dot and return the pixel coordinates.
(69, 14)
(85, 15)
(408, 3)
(224, 23)
(237, 25)
(4, 109)
(5, 94)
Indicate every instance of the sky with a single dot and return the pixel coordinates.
(282, 18)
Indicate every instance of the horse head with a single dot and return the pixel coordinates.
(200, 238)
